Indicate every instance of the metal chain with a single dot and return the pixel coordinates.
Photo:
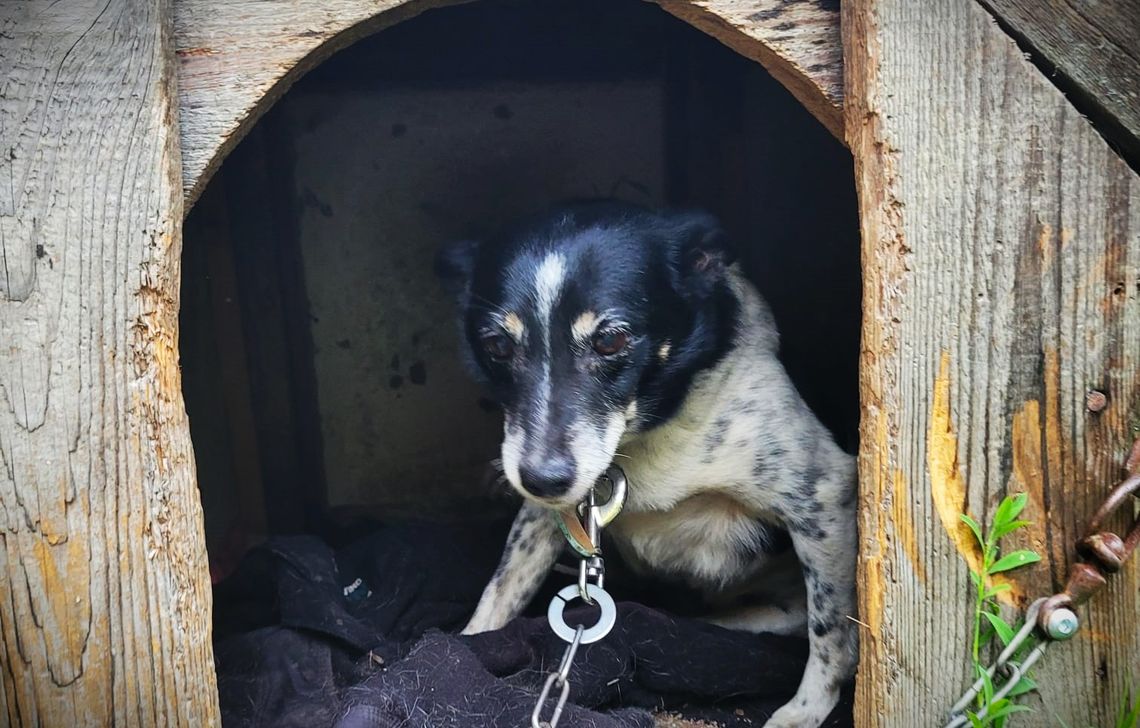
(589, 588)
(1013, 671)
(561, 677)
(1053, 619)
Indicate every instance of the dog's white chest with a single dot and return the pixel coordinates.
(709, 539)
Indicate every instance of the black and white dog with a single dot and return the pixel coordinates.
(606, 330)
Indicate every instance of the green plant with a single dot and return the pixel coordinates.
(1128, 714)
(988, 621)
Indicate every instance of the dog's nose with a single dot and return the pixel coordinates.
(547, 478)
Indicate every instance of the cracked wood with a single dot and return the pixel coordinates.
(104, 595)
(1001, 254)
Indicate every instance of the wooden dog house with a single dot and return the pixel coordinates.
(320, 228)
(1000, 286)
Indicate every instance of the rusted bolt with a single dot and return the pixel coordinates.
(1132, 464)
(1096, 400)
(1106, 549)
(1084, 581)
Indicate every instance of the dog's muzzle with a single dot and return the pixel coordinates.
(547, 477)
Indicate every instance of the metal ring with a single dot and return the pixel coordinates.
(601, 628)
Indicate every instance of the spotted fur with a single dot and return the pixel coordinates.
(726, 464)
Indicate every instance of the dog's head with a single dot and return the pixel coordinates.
(587, 325)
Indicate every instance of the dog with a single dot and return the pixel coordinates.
(608, 330)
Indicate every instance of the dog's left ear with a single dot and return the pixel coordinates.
(455, 266)
(703, 252)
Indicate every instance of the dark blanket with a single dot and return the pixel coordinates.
(365, 636)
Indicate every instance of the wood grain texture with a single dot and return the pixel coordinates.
(236, 57)
(797, 41)
(104, 594)
(1094, 48)
(1001, 254)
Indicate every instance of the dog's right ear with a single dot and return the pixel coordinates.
(455, 266)
(703, 253)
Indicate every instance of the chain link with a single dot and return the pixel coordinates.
(590, 589)
(561, 678)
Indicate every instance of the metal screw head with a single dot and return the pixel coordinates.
(1095, 400)
(1063, 624)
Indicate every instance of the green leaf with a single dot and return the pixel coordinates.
(1006, 710)
(993, 713)
(987, 687)
(974, 577)
(996, 589)
(1128, 715)
(1004, 631)
(1023, 557)
(1024, 648)
(998, 531)
(1009, 509)
(974, 528)
(975, 722)
(1023, 686)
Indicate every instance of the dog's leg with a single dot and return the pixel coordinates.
(826, 546)
(532, 547)
(774, 602)
(764, 618)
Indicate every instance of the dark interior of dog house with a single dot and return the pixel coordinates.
(329, 408)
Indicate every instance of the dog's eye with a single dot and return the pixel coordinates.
(608, 343)
(498, 346)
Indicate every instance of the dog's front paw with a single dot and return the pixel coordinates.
(802, 713)
(488, 617)
(481, 622)
(476, 626)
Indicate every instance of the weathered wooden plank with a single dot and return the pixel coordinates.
(236, 57)
(1092, 48)
(104, 594)
(797, 41)
(1001, 253)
